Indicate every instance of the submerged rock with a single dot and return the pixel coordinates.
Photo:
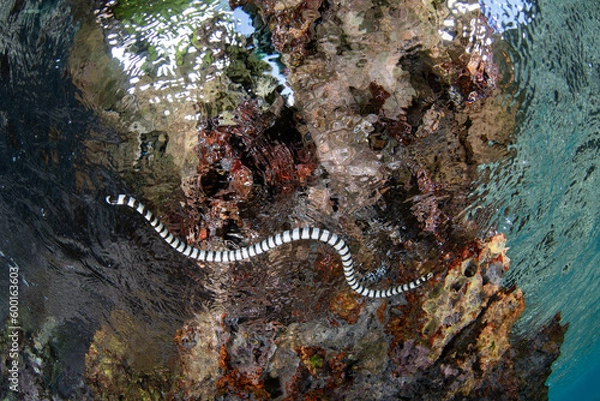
(387, 91)
(397, 105)
(450, 341)
(127, 359)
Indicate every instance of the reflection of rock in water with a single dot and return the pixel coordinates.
(396, 107)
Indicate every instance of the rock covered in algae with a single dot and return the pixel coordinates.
(396, 106)
(127, 360)
(45, 370)
(448, 340)
(390, 89)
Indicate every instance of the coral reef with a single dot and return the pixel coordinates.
(397, 106)
(449, 341)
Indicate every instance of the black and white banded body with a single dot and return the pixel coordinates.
(285, 237)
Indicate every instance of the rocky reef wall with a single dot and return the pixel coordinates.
(397, 107)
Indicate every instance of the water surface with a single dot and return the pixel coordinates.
(546, 198)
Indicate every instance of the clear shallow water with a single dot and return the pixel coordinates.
(547, 199)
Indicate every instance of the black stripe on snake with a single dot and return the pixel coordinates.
(285, 237)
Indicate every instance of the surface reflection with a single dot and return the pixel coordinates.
(76, 271)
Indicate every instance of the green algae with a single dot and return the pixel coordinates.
(316, 361)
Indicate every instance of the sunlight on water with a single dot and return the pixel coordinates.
(157, 43)
(508, 14)
(173, 52)
(179, 51)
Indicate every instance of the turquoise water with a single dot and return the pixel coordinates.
(546, 198)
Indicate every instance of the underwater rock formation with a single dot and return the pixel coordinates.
(449, 340)
(125, 352)
(396, 107)
(392, 90)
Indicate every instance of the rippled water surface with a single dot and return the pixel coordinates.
(547, 198)
(80, 261)
(77, 261)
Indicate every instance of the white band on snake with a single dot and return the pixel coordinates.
(297, 234)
